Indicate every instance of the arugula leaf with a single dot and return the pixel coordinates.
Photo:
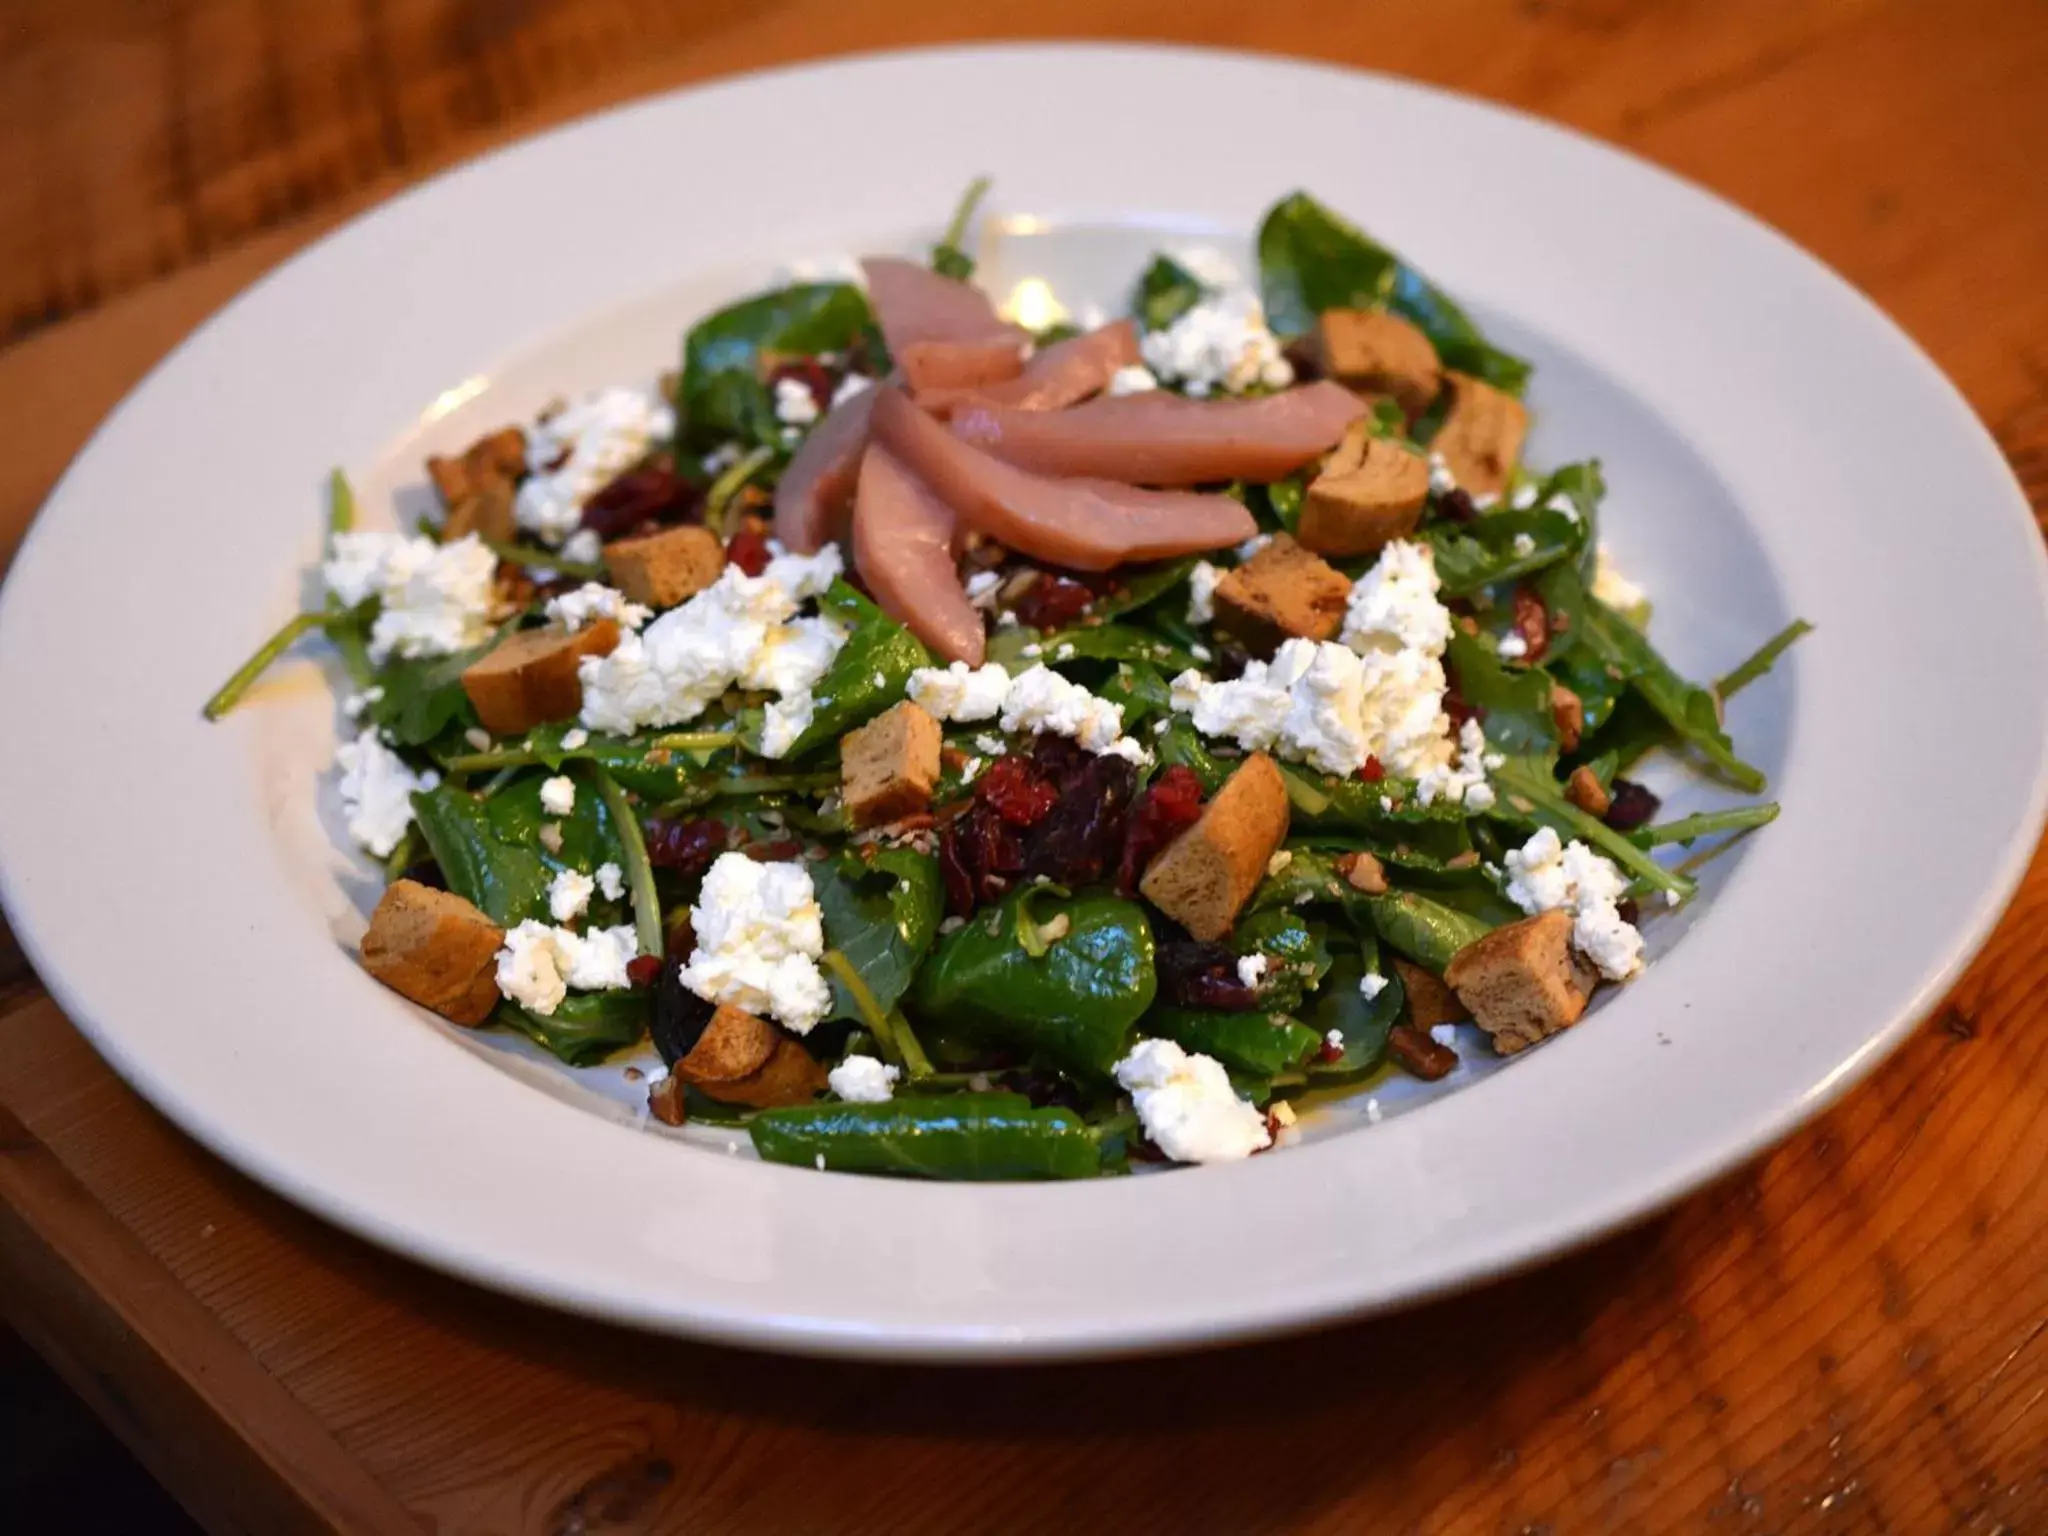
(1765, 657)
(1478, 554)
(882, 917)
(720, 395)
(1516, 700)
(1139, 586)
(1686, 707)
(1530, 796)
(1311, 259)
(1166, 291)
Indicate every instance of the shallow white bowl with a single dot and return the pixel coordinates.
(1773, 444)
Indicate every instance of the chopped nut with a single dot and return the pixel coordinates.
(1420, 1053)
(1363, 872)
(1430, 1001)
(1585, 790)
(1568, 714)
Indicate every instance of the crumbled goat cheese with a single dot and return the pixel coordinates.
(356, 703)
(1445, 1035)
(1187, 1105)
(960, 692)
(972, 770)
(1250, 548)
(759, 933)
(1132, 379)
(850, 386)
(377, 790)
(569, 895)
(575, 738)
(558, 795)
(539, 964)
(478, 738)
(1202, 582)
(593, 601)
(1523, 499)
(1563, 506)
(1394, 605)
(738, 631)
(434, 599)
(1040, 700)
(1613, 588)
(981, 588)
(1459, 778)
(1333, 1040)
(994, 746)
(720, 459)
(1547, 874)
(1441, 480)
(1525, 545)
(863, 1080)
(579, 450)
(611, 880)
(795, 405)
(583, 547)
(1250, 969)
(1221, 343)
(1512, 647)
(1371, 985)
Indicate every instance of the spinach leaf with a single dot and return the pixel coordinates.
(970, 1136)
(1263, 1044)
(1297, 958)
(508, 880)
(1311, 260)
(1139, 586)
(1306, 878)
(1387, 812)
(881, 916)
(1529, 793)
(586, 1027)
(720, 395)
(1074, 1003)
(1515, 700)
(424, 698)
(867, 676)
(1166, 291)
(1479, 553)
(1140, 690)
(1427, 932)
(1686, 707)
(1363, 1022)
(1091, 642)
(589, 838)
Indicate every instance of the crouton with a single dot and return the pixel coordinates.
(663, 568)
(1430, 1001)
(1283, 590)
(1363, 872)
(1205, 875)
(1370, 493)
(477, 486)
(740, 1059)
(1585, 790)
(1568, 714)
(529, 678)
(1378, 353)
(1481, 437)
(889, 767)
(435, 948)
(1522, 982)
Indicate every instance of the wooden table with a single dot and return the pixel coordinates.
(1848, 1336)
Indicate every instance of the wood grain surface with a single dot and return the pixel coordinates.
(1851, 1336)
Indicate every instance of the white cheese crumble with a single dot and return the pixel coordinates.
(434, 599)
(1251, 969)
(583, 547)
(993, 746)
(1187, 1105)
(611, 880)
(356, 703)
(759, 932)
(1547, 874)
(377, 790)
(558, 795)
(1445, 1035)
(1202, 582)
(960, 692)
(1333, 1040)
(1394, 605)
(1040, 700)
(1523, 499)
(478, 738)
(795, 405)
(1371, 985)
(576, 452)
(1221, 343)
(1132, 379)
(737, 631)
(539, 964)
(1613, 588)
(1525, 545)
(1441, 480)
(1251, 546)
(1512, 647)
(850, 386)
(575, 738)
(863, 1080)
(981, 588)
(1282, 857)
(569, 895)
(593, 601)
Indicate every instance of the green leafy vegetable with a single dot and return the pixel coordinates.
(1686, 707)
(1765, 658)
(1363, 1023)
(1529, 793)
(1514, 700)
(508, 880)
(585, 1027)
(1310, 260)
(720, 395)
(1689, 829)
(949, 256)
(1166, 291)
(638, 871)
(881, 916)
(867, 676)
(1297, 958)
(976, 1136)
(1427, 932)
(1263, 1044)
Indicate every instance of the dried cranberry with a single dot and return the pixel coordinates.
(680, 1016)
(1016, 791)
(1194, 974)
(686, 846)
(956, 867)
(1420, 1052)
(1628, 910)
(810, 373)
(979, 854)
(1532, 623)
(1630, 805)
(1372, 771)
(644, 970)
(1457, 506)
(1082, 835)
(748, 549)
(1169, 806)
(652, 494)
(1052, 602)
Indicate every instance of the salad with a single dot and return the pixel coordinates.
(980, 743)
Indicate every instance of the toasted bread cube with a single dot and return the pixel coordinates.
(1370, 493)
(435, 948)
(1378, 353)
(1522, 982)
(663, 568)
(477, 486)
(1585, 790)
(1430, 1001)
(1283, 590)
(740, 1059)
(486, 512)
(889, 767)
(1481, 438)
(1203, 877)
(529, 678)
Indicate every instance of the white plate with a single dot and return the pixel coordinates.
(1773, 444)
